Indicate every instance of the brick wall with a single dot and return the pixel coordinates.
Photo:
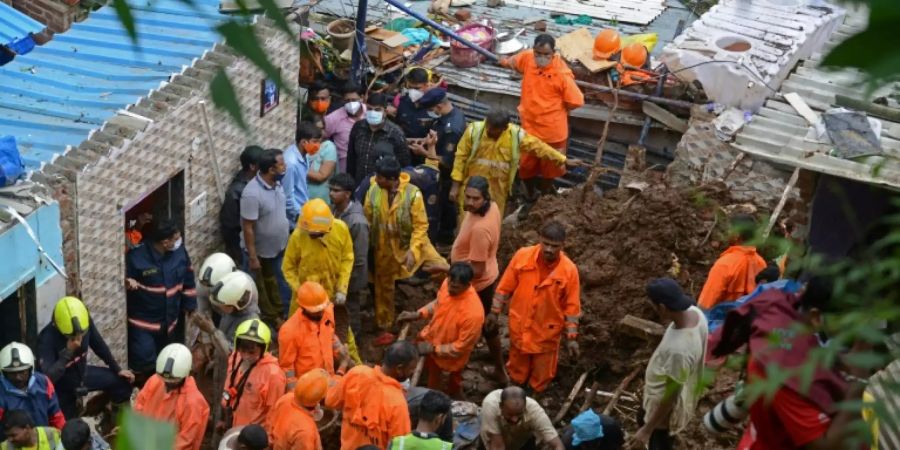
(124, 161)
(58, 15)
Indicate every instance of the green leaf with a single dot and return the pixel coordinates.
(243, 40)
(276, 14)
(865, 360)
(137, 432)
(123, 10)
(867, 50)
(224, 97)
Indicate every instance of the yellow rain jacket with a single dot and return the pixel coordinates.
(496, 159)
(327, 261)
(394, 229)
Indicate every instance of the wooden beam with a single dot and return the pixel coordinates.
(663, 116)
(642, 328)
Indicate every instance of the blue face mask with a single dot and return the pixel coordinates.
(374, 118)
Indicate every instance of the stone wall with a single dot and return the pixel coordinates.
(128, 158)
(58, 15)
(701, 157)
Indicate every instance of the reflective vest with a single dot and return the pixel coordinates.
(516, 135)
(47, 439)
(404, 218)
(413, 442)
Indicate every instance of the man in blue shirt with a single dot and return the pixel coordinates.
(22, 387)
(297, 163)
(160, 284)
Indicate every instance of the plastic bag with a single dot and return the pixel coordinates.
(649, 40)
(11, 167)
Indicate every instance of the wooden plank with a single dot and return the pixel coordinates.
(579, 46)
(641, 328)
(801, 107)
(665, 117)
(396, 41)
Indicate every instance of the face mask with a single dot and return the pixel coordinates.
(352, 107)
(415, 95)
(320, 106)
(311, 148)
(543, 61)
(374, 118)
(177, 244)
(433, 115)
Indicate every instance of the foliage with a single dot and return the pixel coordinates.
(137, 432)
(872, 50)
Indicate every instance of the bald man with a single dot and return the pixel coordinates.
(510, 420)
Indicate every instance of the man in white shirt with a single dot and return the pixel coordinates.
(672, 381)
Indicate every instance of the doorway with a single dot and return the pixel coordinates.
(18, 316)
(164, 202)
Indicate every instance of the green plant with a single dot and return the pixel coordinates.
(137, 432)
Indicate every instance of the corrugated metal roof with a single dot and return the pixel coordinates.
(490, 78)
(778, 132)
(56, 95)
(16, 29)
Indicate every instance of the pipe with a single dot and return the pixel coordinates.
(359, 44)
(635, 95)
(424, 19)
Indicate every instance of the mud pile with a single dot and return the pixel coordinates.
(621, 241)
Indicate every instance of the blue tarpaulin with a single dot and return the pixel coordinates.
(16, 33)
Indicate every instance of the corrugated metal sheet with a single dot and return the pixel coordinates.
(16, 29)
(55, 96)
(883, 386)
(778, 132)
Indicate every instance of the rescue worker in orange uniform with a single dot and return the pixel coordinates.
(733, 275)
(449, 338)
(171, 395)
(549, 92)
(254, 380)
(292, 423)
(372, 400)
(542, 288)
(307, 340)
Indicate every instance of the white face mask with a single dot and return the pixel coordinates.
(415, 95)
(177, 244)
(374, 117)
(352, 107)
(543, 61)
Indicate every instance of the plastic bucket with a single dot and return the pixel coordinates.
(476, 33)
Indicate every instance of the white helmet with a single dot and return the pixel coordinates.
(215, 267)
(174, 362)
(16, 357)
(235, 289)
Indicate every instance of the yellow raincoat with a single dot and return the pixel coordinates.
(327, 261)
(496, 159)
(396, 229)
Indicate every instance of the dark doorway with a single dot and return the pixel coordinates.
(165, 202)
(18, 316)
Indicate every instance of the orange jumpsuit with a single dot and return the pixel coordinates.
(548, 94)
(453, 331)
(732, 276)
(263, 387)
(373, 405)
(291, 426)
(184, 407)
(304, 345)
(543, 300)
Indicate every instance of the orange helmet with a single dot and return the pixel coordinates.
(311, 388)
(634, 55)
(606, 44)
(312, 297)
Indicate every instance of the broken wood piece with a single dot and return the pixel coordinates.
(601, 393)
(403, 332)
(571, 398)
(420, 364)
(642, 328)
(621, 388)
(801, 107)
(664, 117)
(782, 201)
(592, 392)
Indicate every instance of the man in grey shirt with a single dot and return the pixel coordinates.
(343, 207)
(512, 421)
(265, 232)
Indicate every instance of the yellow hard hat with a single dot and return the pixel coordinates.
(311, 388)
(253, 330)
(71, 316)
(311, 296)
(316, 217)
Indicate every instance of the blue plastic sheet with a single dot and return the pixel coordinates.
(11, 167)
